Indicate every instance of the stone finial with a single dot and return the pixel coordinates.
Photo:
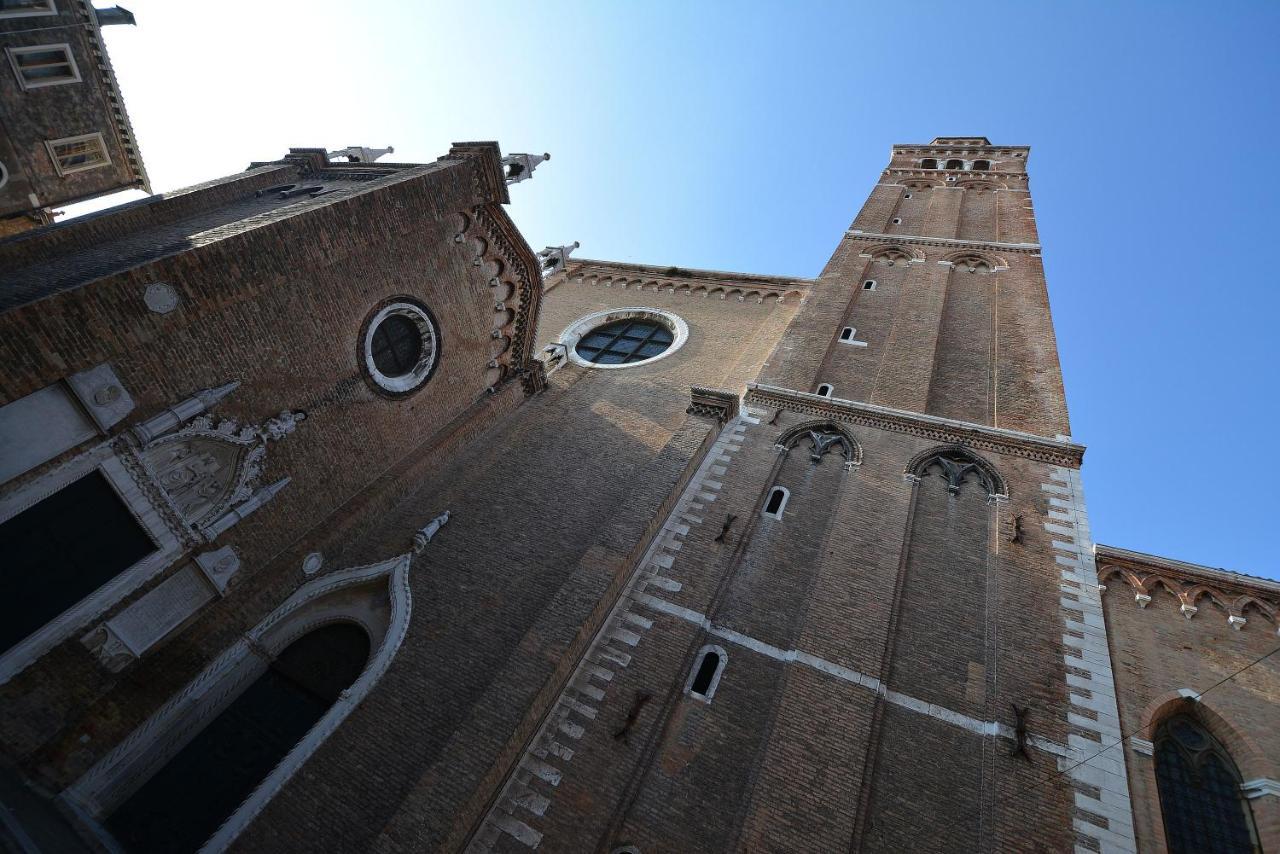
(360, 154)
(174, 416)
(554, 258)
(519, 167)
(282, 425)
(425, 534)
(235, 514)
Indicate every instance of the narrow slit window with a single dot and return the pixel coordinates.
(846, 334)
(897, 220)
(706, 672)
(825, 390)
(777, 502)
(43, 65)
(869, 285)
(906, 195)
(78, 153)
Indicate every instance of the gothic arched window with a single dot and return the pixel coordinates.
(777, 501)
(1204, 810)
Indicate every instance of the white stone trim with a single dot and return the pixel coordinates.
(786, 496)
(516, 810)
(39, 83)
(168, 549)
(430, 335)
(723, 659)
(135, 760)
(51, 146)
(1100, 763)
(1260, 788)
(583, 325)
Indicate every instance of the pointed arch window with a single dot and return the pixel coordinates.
(1204, 809)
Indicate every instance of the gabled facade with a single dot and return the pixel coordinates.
(338, 519)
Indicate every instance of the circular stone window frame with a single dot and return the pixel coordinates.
(583, 326)
(424, 321)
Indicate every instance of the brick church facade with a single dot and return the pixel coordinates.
(335, 518)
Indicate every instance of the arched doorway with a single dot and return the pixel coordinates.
(203, 783)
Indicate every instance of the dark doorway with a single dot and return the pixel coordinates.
(185, 802)
(61, 550)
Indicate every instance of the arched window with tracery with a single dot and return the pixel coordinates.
(1204, 809)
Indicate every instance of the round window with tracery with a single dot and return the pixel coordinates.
(400, 347)
(624, 338)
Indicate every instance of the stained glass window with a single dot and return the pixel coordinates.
(1204, 810)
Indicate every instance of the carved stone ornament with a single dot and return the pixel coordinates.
(209, 466)
(712, 403)
(427, 532)
(823, 442)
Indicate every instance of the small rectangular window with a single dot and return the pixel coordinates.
(26, 8)
(78, 153)
(44, 65)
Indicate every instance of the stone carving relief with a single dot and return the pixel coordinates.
(823, 437)
(210, 466)
(958, 466)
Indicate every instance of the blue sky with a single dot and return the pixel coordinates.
(744, 136)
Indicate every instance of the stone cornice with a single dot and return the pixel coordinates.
(115, 100)
(1191, 573)
(967, 173)
(995, 439)
(682, 276)
(955, 243)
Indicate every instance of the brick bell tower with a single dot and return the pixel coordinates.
(872, 621)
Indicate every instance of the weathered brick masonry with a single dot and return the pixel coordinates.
(685, 604)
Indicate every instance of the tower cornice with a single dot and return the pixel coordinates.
(996, 439)
(957, 243)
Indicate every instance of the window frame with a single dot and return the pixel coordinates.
(723, 660)
(29, 84)
(786, 497)
(831, 390)
(587, 324)
(869, 285)
(49, 8)
(51, 144)
(168, 549)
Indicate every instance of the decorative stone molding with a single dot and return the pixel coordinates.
(137, 629)
(912, 240)
(1190, 583)
(516, 276)
(822, 436)
(341, 595)
(584, 325)
(708, 284)
(161, 297)
(713, 403)
(185, 488)
(102, 395)
(957, 465)
(1261, 788)
(1142, 746)
(976, 436)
